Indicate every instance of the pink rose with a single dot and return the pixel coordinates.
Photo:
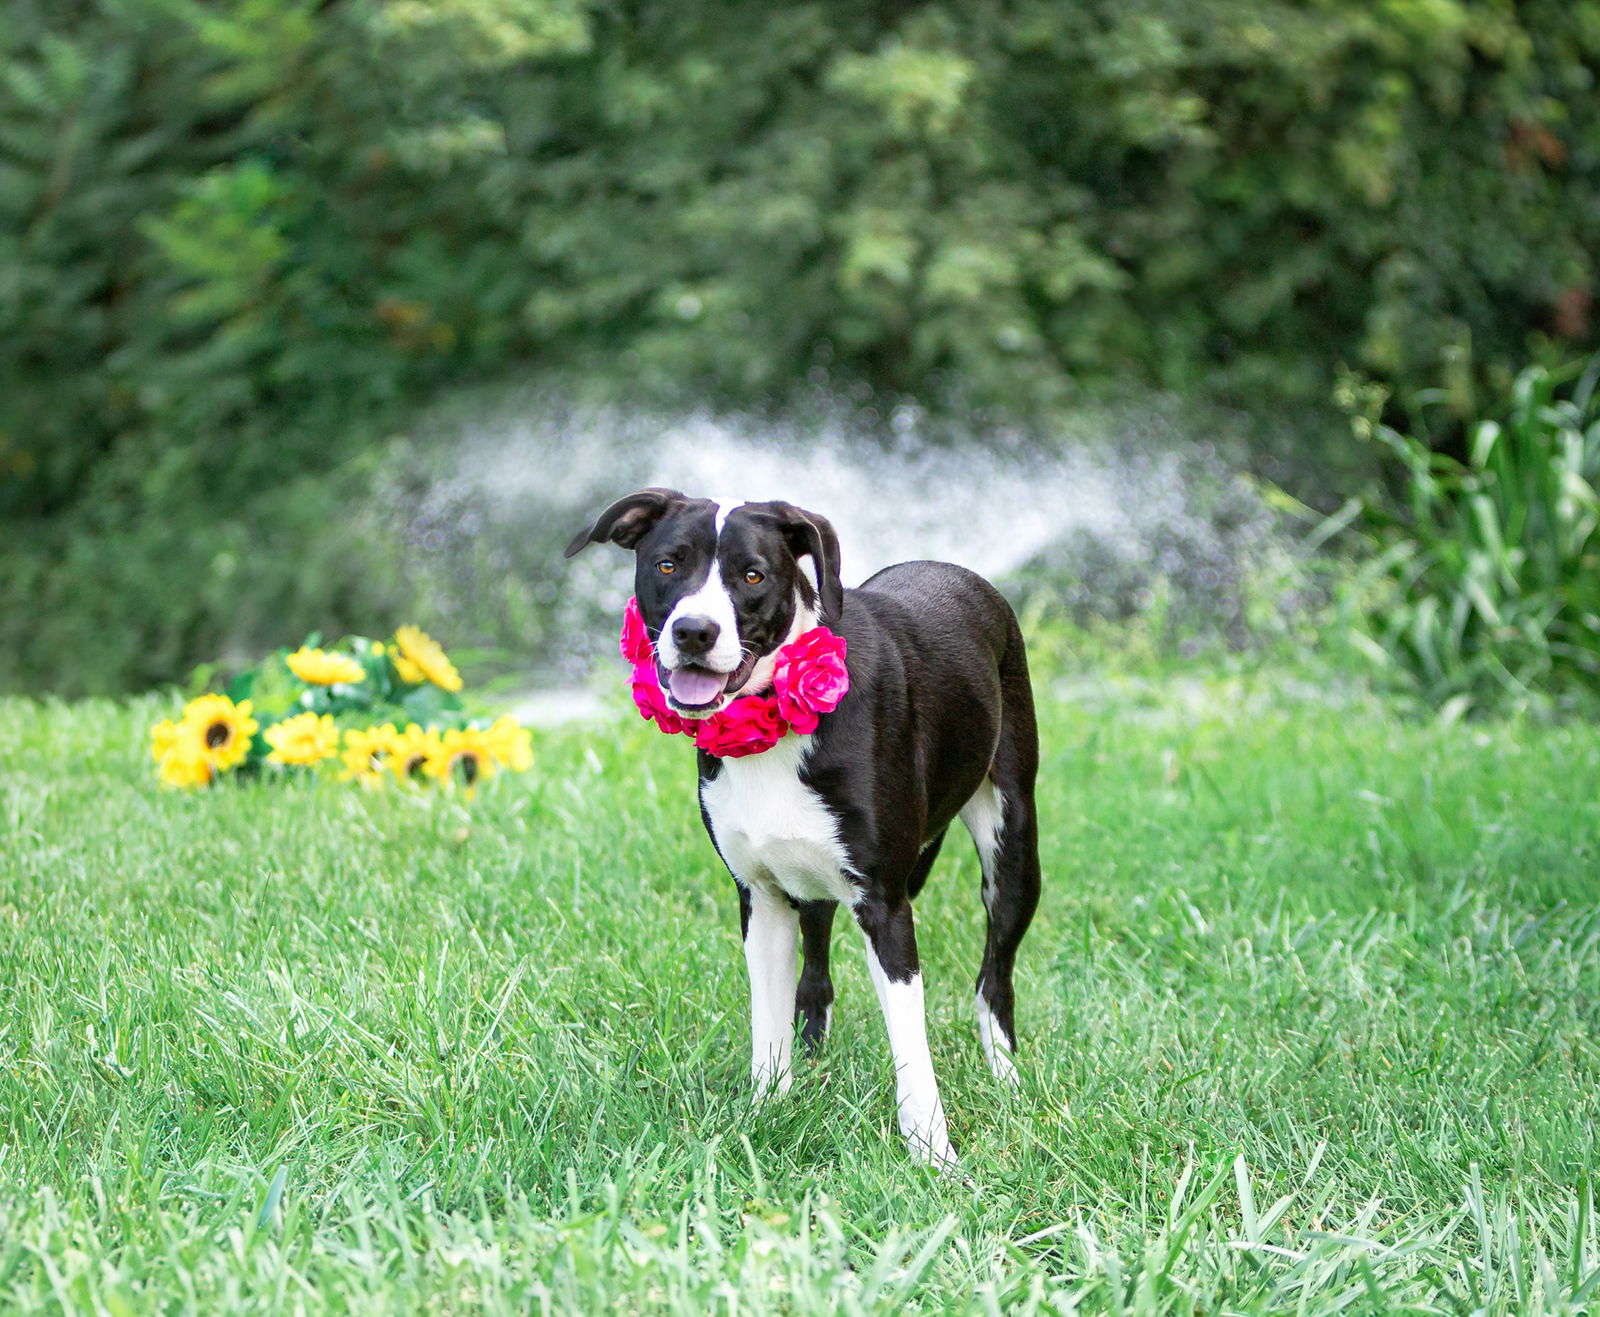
(810, 677)
(746, 727)
(635, 643)
(651, 700)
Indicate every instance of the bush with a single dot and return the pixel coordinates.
(1488, 572)
(241, 240)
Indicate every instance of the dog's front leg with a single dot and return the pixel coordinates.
(897, 975)
(771, 955)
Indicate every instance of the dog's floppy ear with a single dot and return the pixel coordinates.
(807, 533)
(625, 521)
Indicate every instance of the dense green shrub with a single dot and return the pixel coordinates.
(239, 239)
(1489, 569)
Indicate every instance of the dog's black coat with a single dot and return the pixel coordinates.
(939, 706)
(939, 684)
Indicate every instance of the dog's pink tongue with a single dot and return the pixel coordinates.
(692, 686)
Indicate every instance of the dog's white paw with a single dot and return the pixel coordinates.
(996, 1048)
(770, 1082)
(935, 1152)
(1004, 1070)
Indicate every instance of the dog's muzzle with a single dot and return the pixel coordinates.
(694, 689)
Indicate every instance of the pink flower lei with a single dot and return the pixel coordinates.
(809, 680)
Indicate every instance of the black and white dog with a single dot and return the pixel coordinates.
(938, 723)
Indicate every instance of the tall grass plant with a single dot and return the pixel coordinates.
(1484, 592)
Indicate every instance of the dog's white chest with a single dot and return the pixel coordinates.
(773, 830)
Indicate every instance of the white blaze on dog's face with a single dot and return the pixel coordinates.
(722, 586)
(710, 603)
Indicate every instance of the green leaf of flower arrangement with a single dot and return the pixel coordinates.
(427, 704)
(374, 660)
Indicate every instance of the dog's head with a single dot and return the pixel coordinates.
(722, 587)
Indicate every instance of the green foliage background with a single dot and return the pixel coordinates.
(240, 240)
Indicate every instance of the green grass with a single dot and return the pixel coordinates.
(1309, 1020)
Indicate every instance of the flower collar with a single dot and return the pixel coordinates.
(808, 681)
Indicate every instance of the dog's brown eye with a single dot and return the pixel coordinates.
(666, 566)
(754, 577)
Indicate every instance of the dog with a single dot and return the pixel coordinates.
(938, 723)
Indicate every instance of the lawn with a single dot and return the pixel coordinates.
(1309, 1015)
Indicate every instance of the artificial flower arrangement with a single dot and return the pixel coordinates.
(809, 679)
(343, 709)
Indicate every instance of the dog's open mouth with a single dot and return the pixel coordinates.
(694, 689)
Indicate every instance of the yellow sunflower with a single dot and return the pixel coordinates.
(184, 761)
(366, 750)
(413, 752)
(419, 658)
(510, 743)
(224, 728)
(307, 738)
(319, 668)
(163, 736)
(464, 753)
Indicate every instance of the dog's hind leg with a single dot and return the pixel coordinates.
(1005, 829)
(771, 955)
(813, 1000)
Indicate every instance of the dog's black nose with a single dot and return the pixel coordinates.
(694, 636)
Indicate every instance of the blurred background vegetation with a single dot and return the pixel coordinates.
(244, 243)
